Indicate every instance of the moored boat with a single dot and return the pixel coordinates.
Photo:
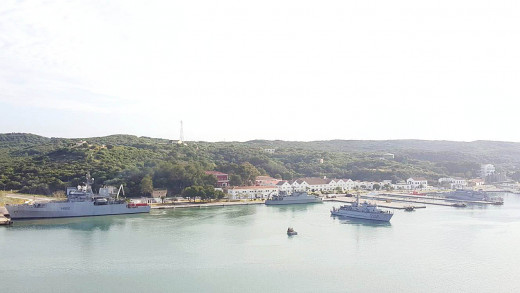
(364, 210)
(409, 208)
(81, 202)
(294, 198)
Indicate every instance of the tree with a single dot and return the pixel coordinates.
(147, 185)
(248, 172)
(235, 180)
(219, 194)
(376, 186)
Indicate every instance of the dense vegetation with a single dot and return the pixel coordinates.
(41, 165)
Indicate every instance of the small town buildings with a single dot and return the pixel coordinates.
(417, 182)
(266, 181)
(222, 178)
(476, 182)
(284, 186)
(269, 151)
(402, 185)
(454, 183)
(314, 184)
(159, 194)
(486, 170)
(252, 192)
(388, 156)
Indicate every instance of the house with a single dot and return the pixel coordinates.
(454, 183)
(417, 182)
(402, 185)
(266, 181)
(476, 182)
(252, 192)
(159, 194)
(486, 170)
(388, 156)
(284, 186)
(321, 184)
(269, 151)
(222, 178)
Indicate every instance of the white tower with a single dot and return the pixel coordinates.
(181, 138)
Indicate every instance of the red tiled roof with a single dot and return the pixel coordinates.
(314, 180)
(251, 187)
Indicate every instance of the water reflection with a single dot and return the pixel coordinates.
(293, 208)
(101, 223)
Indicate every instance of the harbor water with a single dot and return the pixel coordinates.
(246, 249)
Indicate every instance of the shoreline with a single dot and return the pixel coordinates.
(207, 204)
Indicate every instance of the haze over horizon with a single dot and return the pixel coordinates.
(238, 71)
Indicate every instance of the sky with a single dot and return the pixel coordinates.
(273, 69)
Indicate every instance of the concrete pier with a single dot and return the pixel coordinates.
(3, 219)
(380, 202)
(425, 199)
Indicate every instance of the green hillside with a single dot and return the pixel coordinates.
(36, 164)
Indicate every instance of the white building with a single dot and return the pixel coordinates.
(417, 182)
(284, 186)
(269, 151)
(402, 185)
(486, 170)
(455, 183)
(388, 156)
(314, 184)
(251, 192)
(476, 182)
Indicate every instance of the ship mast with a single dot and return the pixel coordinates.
(89, 182)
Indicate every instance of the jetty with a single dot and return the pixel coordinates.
(380, 202)
(426, 199)
(5, 219)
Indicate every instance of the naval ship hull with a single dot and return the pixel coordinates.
(72, 209)
(384, 217)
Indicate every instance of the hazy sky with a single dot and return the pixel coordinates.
(240, 70)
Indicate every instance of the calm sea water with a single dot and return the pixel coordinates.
(246, 249)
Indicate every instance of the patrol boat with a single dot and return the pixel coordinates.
(362, 211)
(81, 202)
(294, 198)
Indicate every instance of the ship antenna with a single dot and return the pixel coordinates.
(90, 181)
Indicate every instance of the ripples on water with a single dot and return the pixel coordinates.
(246, 249)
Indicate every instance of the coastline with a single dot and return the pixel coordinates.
(205, 204)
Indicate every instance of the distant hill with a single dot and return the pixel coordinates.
(37, 164)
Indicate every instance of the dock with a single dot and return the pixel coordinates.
(426, 199)
(5, 219)
(380, 202)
